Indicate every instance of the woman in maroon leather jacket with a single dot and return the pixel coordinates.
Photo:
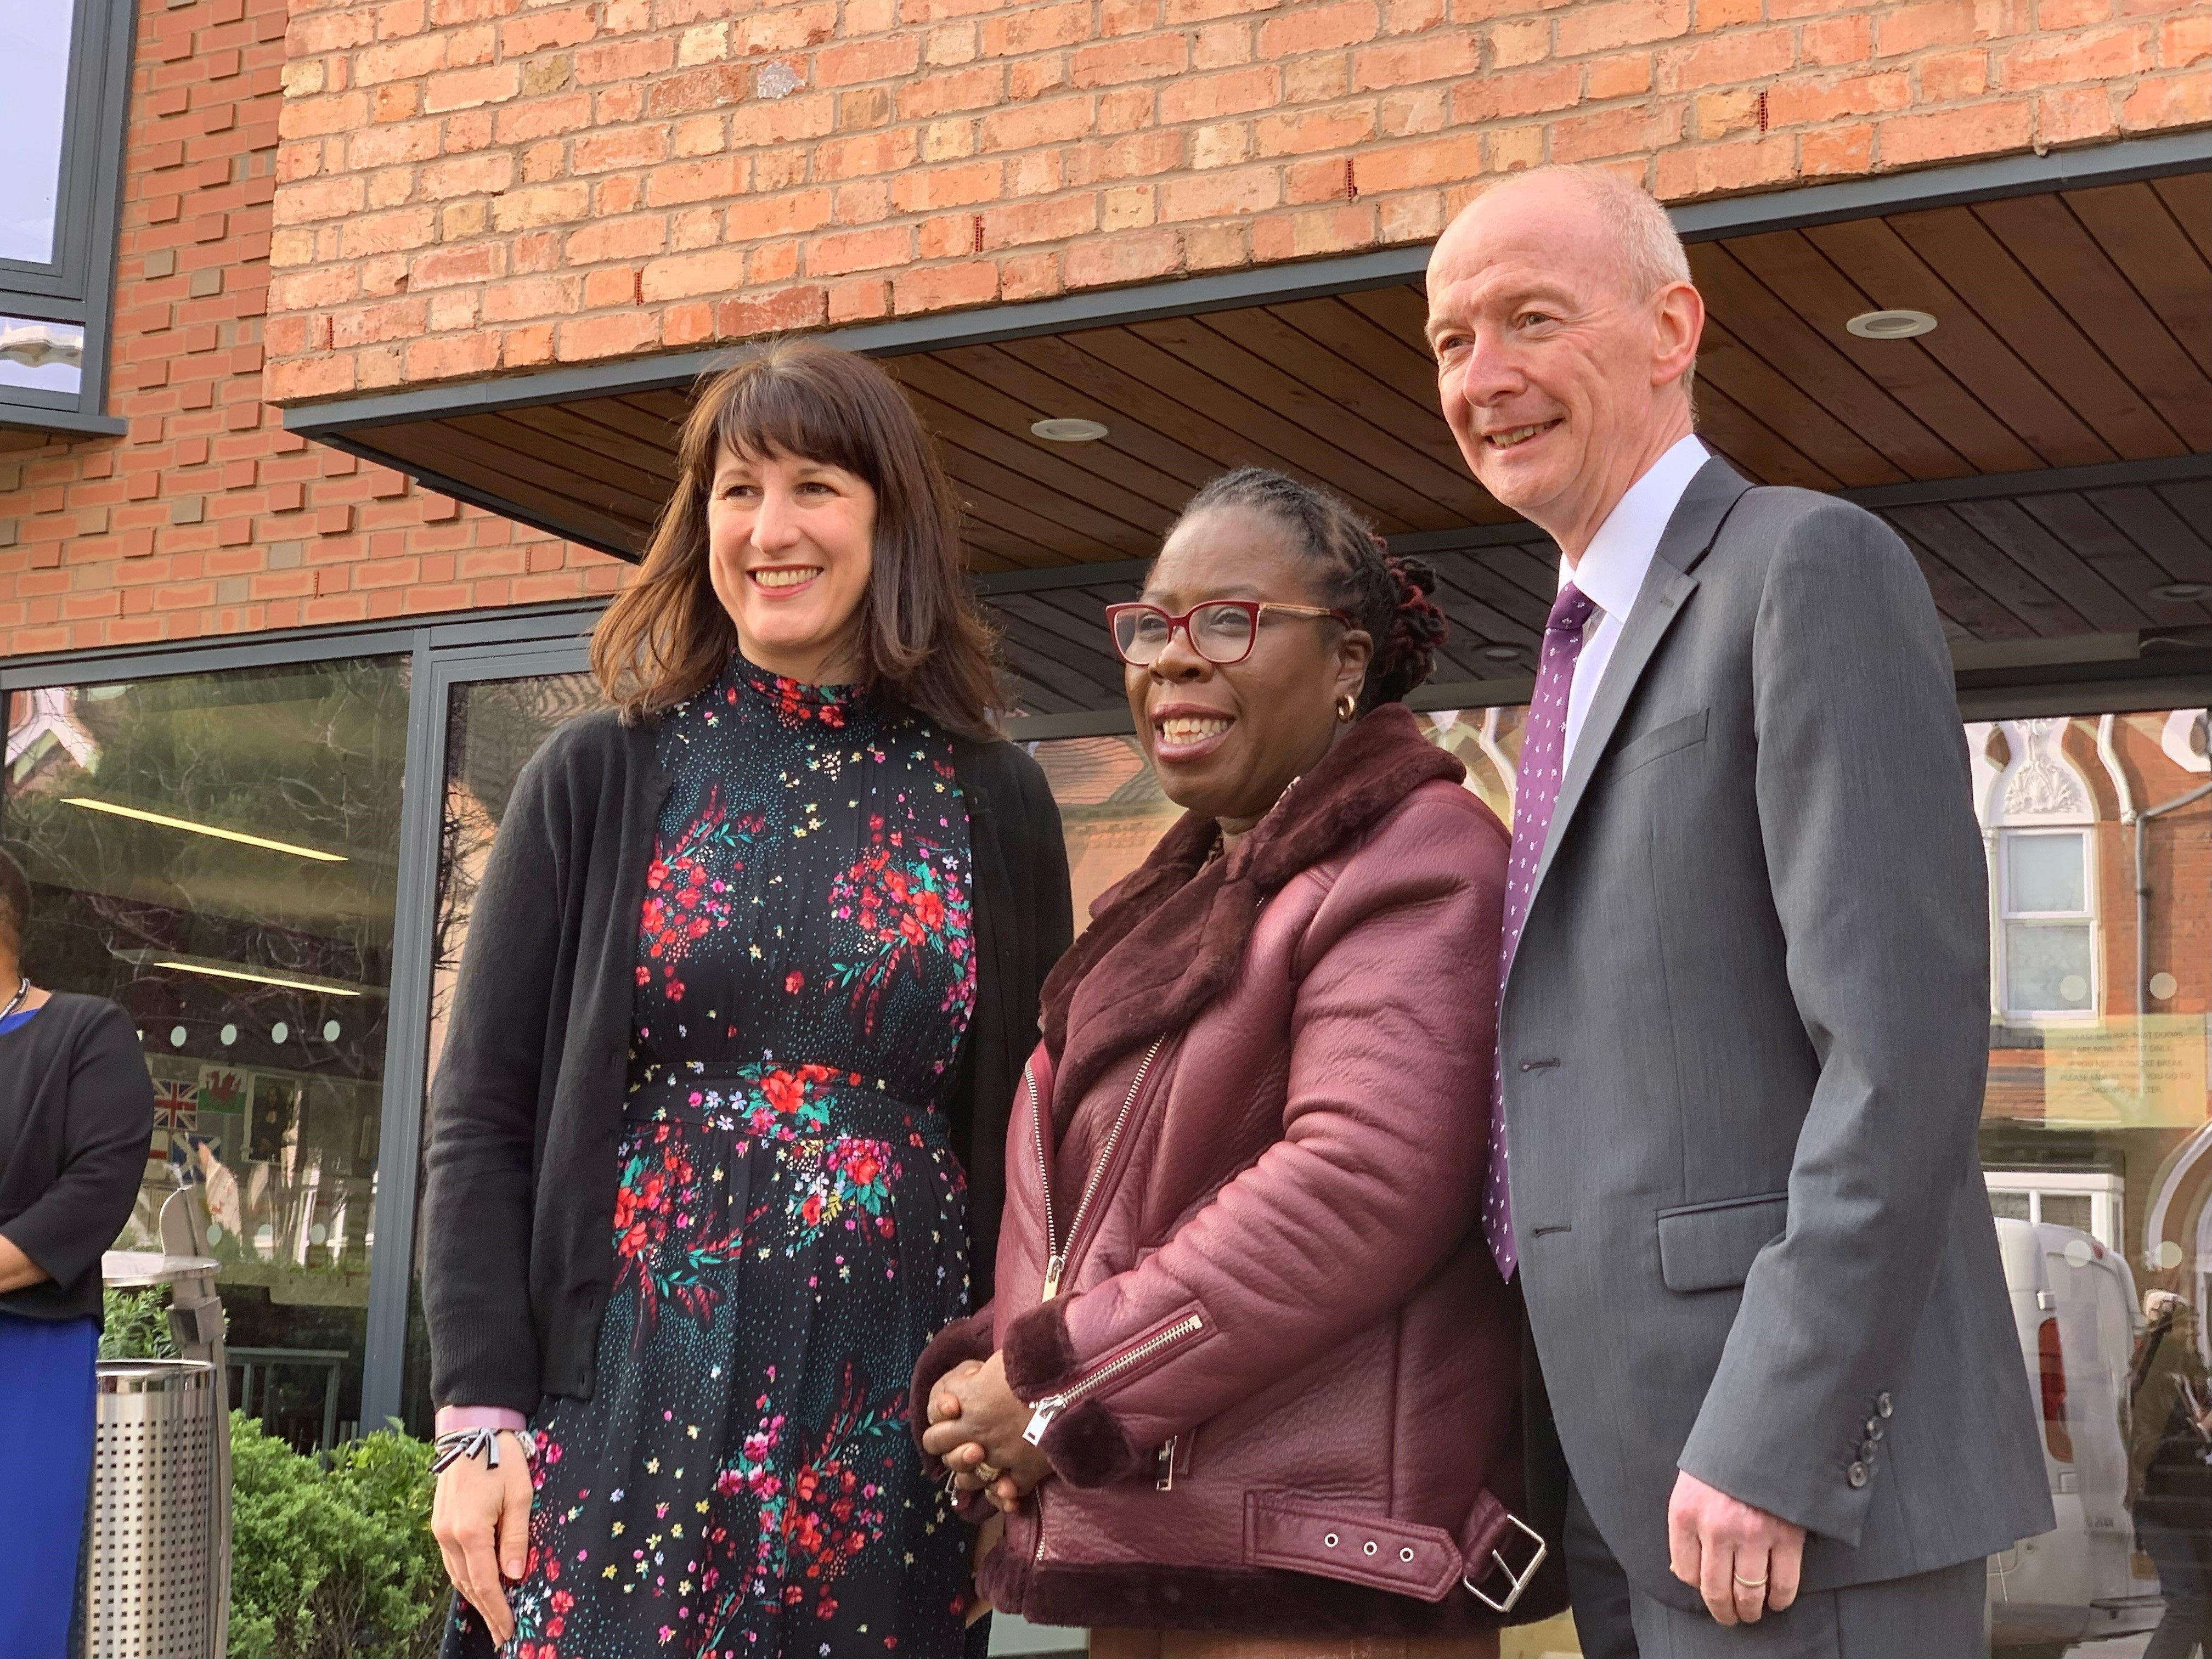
(1249, 1368)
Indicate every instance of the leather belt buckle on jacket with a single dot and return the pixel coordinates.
(1516, 1582)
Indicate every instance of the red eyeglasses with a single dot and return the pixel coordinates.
(1220, 631)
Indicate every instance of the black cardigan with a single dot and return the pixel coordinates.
(517, 1255)
(76, 1116)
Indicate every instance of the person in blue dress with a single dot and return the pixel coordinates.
(77, 1117)
(715, 1137)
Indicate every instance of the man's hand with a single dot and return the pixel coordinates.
(1743, 1561)
(976, 1422)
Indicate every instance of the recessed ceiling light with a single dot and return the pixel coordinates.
(1501, 652)
(1890, 325)
(1068, 430)
(2184, 591)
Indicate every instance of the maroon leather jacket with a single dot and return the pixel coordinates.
(1269, 1356)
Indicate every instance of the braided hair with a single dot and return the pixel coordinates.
(1385, 594)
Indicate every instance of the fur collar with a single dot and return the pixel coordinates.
(1167, 937)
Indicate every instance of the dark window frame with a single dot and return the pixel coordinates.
(78, 285)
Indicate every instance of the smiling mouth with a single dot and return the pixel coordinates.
(785, 576)
(1181, 731)
(1514, 436)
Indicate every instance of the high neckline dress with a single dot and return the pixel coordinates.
(790, 1226)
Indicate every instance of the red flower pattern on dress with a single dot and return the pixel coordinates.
(689, 892)
(905, 908)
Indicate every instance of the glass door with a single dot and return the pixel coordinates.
(492, 722)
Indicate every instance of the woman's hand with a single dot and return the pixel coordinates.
(976, 1420)
(481, 1519)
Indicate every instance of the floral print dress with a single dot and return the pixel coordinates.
(790, 1226)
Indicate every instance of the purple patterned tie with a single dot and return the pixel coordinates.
(1543, 760)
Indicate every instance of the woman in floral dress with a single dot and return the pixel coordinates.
(837, 898)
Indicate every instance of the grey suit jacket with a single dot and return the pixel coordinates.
(1743, 1043)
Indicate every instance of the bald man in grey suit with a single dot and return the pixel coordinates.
(1744, 1021)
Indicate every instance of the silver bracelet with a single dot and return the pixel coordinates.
(467, 1443)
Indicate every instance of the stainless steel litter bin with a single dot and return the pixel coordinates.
(158, 1572)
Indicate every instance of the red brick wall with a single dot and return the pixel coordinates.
(207, 517)
(471, 186)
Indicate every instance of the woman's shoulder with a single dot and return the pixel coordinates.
(1000, 764)
(1440, 823)
(74, 1018)
(592, 748)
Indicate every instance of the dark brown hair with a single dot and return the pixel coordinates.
(15, 904)
(920, 635)
(1387, 595)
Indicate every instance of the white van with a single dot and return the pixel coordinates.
(2074, 1305)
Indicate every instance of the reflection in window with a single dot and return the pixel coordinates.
(492, 727)
(2049, 955)
(35, 45)
(40, 356)
(219, 853)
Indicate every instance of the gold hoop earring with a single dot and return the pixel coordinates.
(1347, 707)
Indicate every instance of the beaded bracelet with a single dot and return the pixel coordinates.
(467, 1443)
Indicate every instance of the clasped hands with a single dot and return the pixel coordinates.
(975, 1424)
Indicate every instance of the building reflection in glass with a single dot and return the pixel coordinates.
(218, 854)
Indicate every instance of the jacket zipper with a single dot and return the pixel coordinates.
(1056, 1249)
(1044, 1411)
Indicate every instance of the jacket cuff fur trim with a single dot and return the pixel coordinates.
(962, 1339)
(1041, 1356)
(1087, 1444)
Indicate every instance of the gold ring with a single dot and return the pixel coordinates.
(1749, 1583)
(986, 1473)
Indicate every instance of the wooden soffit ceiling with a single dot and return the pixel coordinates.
(2070, 371)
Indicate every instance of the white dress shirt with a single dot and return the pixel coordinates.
(1612, 569)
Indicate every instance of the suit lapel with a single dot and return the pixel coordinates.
(1666, 589)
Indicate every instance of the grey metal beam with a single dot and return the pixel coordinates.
(392, 1255)
(1988, 486)
(1945, 185)
(438, 671)
(562, 619)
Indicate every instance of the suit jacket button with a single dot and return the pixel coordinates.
(1858, 1475)
(1881, 1404)
(1873, 1428)
(1866, 1450)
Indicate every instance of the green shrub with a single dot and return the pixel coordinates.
(135, 1325)
(337, 1563)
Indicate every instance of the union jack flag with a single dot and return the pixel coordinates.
(175, 1114)
(176, 1106)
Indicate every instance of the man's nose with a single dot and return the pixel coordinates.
(1488, 371)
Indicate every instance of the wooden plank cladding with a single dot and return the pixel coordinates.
(2074, 330)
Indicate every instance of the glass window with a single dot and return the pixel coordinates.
(2049, 953)
(42, 356)
(63, 97)
(219, 853)
(492, 726)
(34, 43)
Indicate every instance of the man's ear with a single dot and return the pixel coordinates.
(1678, 323)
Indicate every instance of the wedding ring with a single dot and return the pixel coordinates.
(986, 1473)
(1749, 1584)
